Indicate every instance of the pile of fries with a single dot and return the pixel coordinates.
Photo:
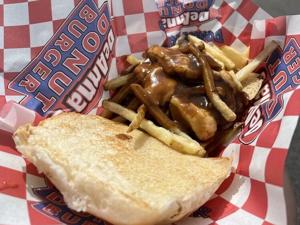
(134, 102)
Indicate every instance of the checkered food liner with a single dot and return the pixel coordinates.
(73, 47)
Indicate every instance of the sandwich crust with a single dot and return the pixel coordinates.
(126, 179)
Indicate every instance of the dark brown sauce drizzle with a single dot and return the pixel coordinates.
(169, 72)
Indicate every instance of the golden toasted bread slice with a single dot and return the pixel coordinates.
(126, 179)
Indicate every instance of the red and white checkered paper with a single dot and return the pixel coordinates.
(253, 194)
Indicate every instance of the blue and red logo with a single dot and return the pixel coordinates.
(74, 63)
(173, 8)
(180, 17)
(53, 205)
(283, 70)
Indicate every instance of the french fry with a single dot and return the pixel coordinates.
(246, 52)
(135, 124)
(251, 87)
(128, 70)
(235, 80)
(214, 63)
(197, 42)
(182, 134)
(221, 106)
(175, 47)
(217, 54)
(131, 59)
(200, 89)
(152, 108)
(244, 72)
(210, 88)
(132, 105)
(118, 81)
(118, 97)
(239, 60)
(230, 78)
(177, 142)
(223, 64)
(215, 47)
(256, 75)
